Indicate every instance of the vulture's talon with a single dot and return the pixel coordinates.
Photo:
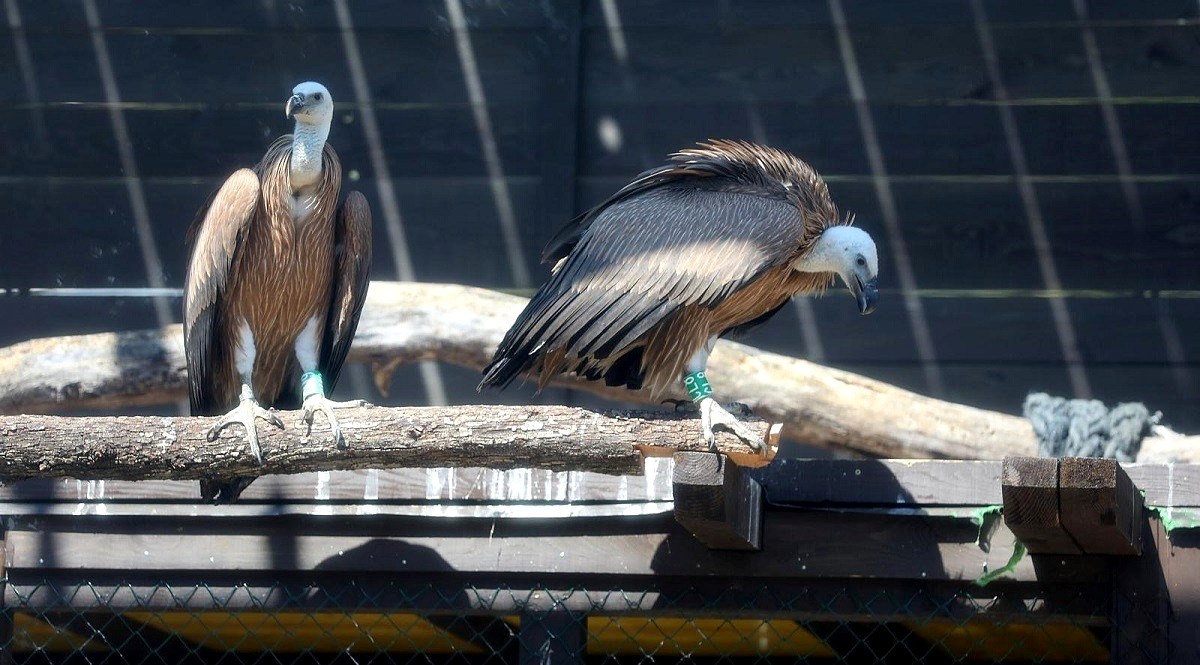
(315, 403)
(244, 414)
(713, 415)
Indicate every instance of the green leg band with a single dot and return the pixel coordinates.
(311, 384)
(697, 386)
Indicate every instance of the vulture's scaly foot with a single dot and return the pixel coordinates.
(713, 415)
(315, 403)
(244, 414)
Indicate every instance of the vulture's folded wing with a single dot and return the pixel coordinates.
(351, 275)
(218, 233)
(643, 257)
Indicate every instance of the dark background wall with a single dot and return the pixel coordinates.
(1031, 170)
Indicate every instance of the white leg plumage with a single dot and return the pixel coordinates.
(712, 414)
(313, 388)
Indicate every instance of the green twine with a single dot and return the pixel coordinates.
(1175, 518)
(985, 518)
(697, 386)
(311, 384)
(1017, 555)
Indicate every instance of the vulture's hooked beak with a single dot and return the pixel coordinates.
(866, 294)
(294, 103)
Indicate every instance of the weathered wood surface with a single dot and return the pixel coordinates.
(1031, 511)
(504, 437)
(408, 322)
(717, 501)
(795, 544)
(1100, 506)
(363, 487)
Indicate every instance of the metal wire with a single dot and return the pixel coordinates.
(372, 619)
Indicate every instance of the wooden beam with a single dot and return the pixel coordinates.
(548, 437)
(717, 501)
(1141, 603)
(6, 615)
(1100, 506)
(881, 482)
(795, 544)
(1030, 489)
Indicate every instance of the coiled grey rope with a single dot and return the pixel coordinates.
(1086, 428)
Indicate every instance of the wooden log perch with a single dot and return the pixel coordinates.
(556, 438)
(407, 322)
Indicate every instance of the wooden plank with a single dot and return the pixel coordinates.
(6, 614)
(802, 544)
(1141, 602)
(1167, 485)
(1099, 506)
(1031, 511)
(891, 483)
(558, 637)
(717, 501)
(370, 487)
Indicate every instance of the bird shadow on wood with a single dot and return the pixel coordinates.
(457, 614)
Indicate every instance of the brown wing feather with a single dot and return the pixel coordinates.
(643, 261)
(218, 234)
(351, 276)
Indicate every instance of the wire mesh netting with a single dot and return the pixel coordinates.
(356, 619)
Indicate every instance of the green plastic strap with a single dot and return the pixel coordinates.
(1017, 555)
(697, 386)
(312, 384)
(1175, 518)
(984, 518)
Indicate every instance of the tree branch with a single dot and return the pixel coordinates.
(406, 322)
(557, 438)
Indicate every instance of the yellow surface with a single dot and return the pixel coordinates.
(31, 633)
(1046, 643)
(663, 636)
(298, 631)
(290, 632)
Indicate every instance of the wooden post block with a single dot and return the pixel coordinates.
(717, 501)
(1029, 486)
(1100, 506)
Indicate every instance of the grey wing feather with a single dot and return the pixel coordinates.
(352, 264)
(641, 259)
(217, 232)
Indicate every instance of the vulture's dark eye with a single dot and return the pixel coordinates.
(861, 261)
(318, 96)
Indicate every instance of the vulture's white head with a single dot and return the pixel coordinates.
(310, 104)
(850, 253)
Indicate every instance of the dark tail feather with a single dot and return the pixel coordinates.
(224, 490)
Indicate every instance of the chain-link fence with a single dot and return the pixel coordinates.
(445, 619)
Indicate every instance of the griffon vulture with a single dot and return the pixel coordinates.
(275, 285)
(712, 243)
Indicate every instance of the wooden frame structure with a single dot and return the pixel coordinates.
(530, 561)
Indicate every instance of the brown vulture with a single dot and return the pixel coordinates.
(712, 243)
(275, 285)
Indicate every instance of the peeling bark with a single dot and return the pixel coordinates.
(556, 438)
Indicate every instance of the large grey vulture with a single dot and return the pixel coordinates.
(712, 243)
(275, 285)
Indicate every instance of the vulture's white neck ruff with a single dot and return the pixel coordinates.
(308, 141)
